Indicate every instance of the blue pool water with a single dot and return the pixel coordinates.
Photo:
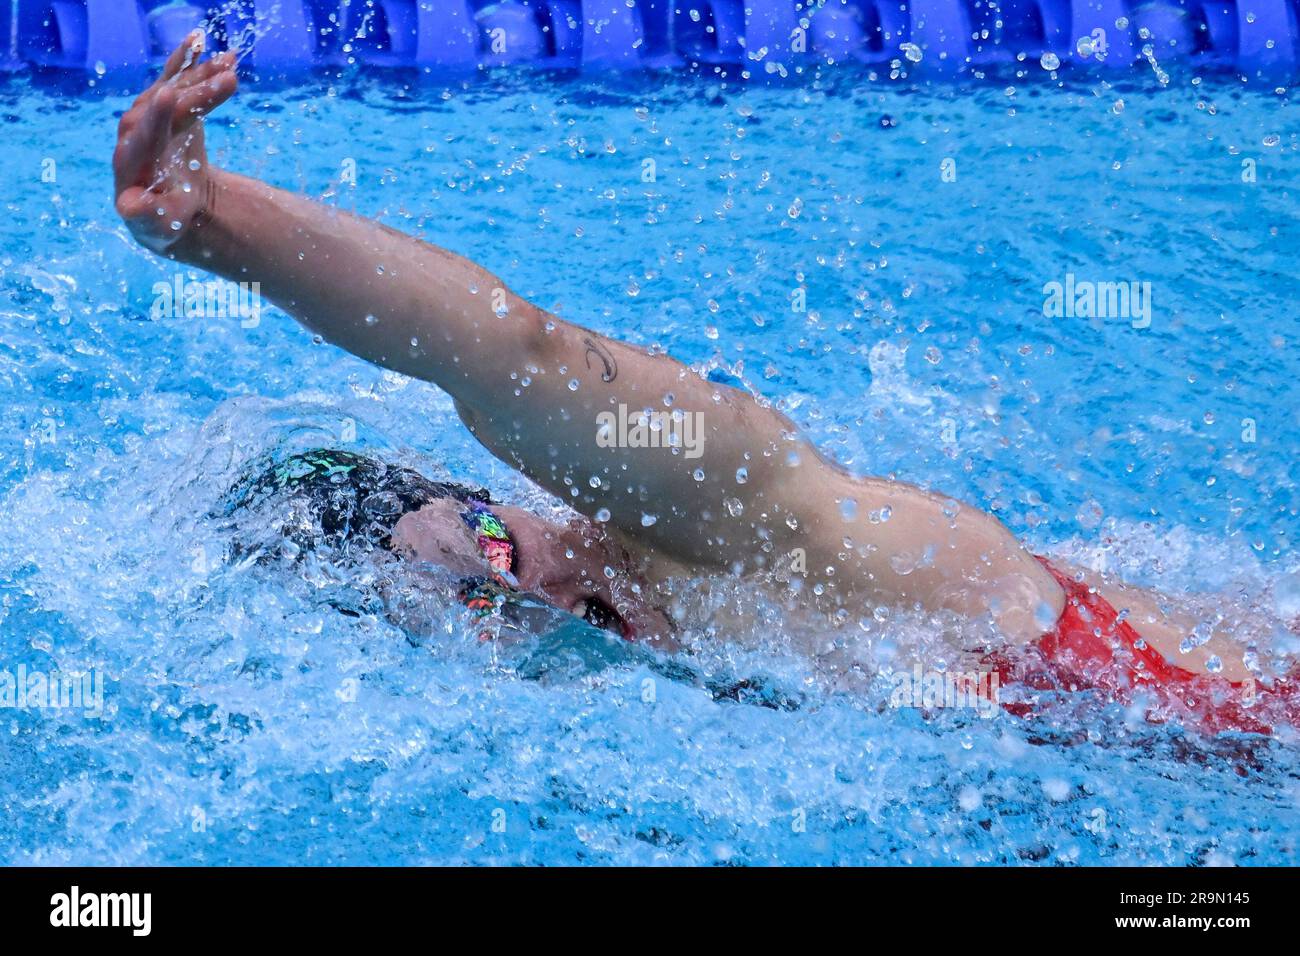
(245, 722)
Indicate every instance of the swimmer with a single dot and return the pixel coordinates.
(746, 497)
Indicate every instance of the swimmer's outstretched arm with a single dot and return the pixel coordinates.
(743, 491)
(533, 388)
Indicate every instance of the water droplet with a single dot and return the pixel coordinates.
(1050, 61)
(573, 384)
(903, 564)
(371, 320)
(647, 520)
(911, 51)
(195, 165)
(698, 474)
(848, 508)
(742, 475)
(602, 515)
(1045, 617)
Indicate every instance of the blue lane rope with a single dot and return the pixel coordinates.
(757, 37)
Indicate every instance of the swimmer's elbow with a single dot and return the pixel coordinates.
(517, 331)
(534, 332)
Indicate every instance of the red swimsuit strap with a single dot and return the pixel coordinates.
(1093, 647)
(1090, 631)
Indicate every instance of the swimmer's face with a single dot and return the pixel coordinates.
(567, 564)
(561, 563)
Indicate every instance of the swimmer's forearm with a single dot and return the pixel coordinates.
(378, 293)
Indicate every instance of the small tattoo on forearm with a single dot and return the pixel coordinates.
(605, 356)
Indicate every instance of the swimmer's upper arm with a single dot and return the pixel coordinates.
(701, 503)
(764, 489)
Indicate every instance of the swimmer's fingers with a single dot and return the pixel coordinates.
(186, 54)
(142, 138)
(200, 72)
(195, 102)
(128, 160)
(133, 204)
(159, 128)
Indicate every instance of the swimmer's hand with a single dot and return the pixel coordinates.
(160, 167)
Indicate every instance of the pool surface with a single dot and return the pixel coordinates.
(247, 722)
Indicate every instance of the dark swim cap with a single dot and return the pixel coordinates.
(338, 498)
